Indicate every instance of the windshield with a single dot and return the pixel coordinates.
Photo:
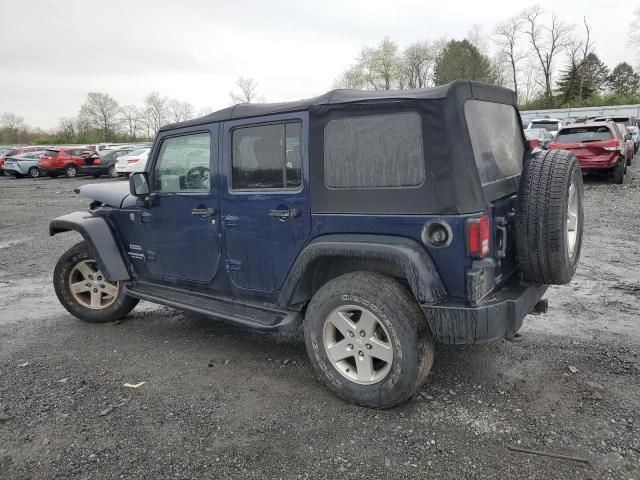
(550, 126)
(534, 134)
(584, 134)
(136, 153)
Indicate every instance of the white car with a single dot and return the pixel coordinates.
(133, 162)
(552, 125)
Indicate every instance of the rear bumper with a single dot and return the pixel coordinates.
(599, 163)
(498, 316)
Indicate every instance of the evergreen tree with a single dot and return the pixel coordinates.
(623, 81)
(582, 79)
(461, 60)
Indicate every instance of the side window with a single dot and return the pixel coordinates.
(183, 164)
(266, 157)
(374, 151)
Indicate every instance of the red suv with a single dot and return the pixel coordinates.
(12, 152)
(63, 161)
(599, 146)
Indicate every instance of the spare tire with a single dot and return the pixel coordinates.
(549, 217)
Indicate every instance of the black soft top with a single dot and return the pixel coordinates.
(452, 182)
(459, 88)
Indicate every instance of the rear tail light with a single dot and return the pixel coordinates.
(133, 160)
(613, 149)
(478, 237)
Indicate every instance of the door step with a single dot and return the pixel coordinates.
(253, 316)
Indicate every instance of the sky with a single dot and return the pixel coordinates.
(52, 53)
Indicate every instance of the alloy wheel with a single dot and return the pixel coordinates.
(89, 287)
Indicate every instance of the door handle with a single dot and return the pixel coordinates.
(203, 212)
(284, 214)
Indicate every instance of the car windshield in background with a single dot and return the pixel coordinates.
(584, 134)
(550, 126)
(534, 133)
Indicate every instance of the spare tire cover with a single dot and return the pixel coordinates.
(549, 217)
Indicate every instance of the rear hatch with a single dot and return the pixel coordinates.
(587, 142)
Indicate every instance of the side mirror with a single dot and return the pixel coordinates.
(139, 184)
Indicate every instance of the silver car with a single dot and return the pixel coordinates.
(26, 164)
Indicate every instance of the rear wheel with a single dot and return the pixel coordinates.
(70, 171)
(85, 293)
(368, 339)
(112, 172)
(34, 172)
(617, 173)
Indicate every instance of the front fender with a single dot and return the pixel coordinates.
(100, 239)
(410, 258)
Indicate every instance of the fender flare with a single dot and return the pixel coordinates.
(407, 255)
(99, 237)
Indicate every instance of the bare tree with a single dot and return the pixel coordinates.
(506, 36)
(417, 64)
(547, 41)
(180, 111)
(248, 91)
(13, 124)
(132, 118)
(67, 129)
(634, 32)
(376, 68)
(156, 112)
(101, 111)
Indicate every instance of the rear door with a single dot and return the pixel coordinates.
(265, 198)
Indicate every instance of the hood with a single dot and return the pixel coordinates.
(112, 194)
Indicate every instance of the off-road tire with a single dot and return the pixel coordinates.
(34, 172)
(75, 255)
(408, 331)
(617, 173)
(70, 171)
(542, 236)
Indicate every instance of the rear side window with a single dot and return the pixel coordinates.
(51, 153)
(496, 139)
(376, 151)
(266, 157)
(584, 134)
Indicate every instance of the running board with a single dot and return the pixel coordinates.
(253, 316)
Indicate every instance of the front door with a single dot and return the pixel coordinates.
(265, 201)
(181, 227)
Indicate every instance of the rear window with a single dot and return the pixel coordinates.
(549, 126)
(584, 134)
(496, 138)
(50, 153)
(374, 151)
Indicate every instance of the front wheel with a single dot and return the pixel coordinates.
(70, 171)
(368, 339)
(84, 291)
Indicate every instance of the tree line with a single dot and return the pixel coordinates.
(548, 62)
(101, 118)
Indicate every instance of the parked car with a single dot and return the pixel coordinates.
(11, 152)
(104, 163)
(539, 138)
(634, 131)
(342, 215)
(65, 161)
(135, 161)
(599, 147)
(552, 125)
(25, 164)
(627, 120)
(629, 146)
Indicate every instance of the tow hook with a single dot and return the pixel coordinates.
(541, 307)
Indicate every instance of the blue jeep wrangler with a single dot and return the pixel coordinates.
(378, 221)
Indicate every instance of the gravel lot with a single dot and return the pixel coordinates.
(223, 402)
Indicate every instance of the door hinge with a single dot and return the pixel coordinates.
(234, 265)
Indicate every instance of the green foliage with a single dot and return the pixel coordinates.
(623, 81)
(582, 80)
(460, 60)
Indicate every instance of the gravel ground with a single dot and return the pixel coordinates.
(223, 402)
